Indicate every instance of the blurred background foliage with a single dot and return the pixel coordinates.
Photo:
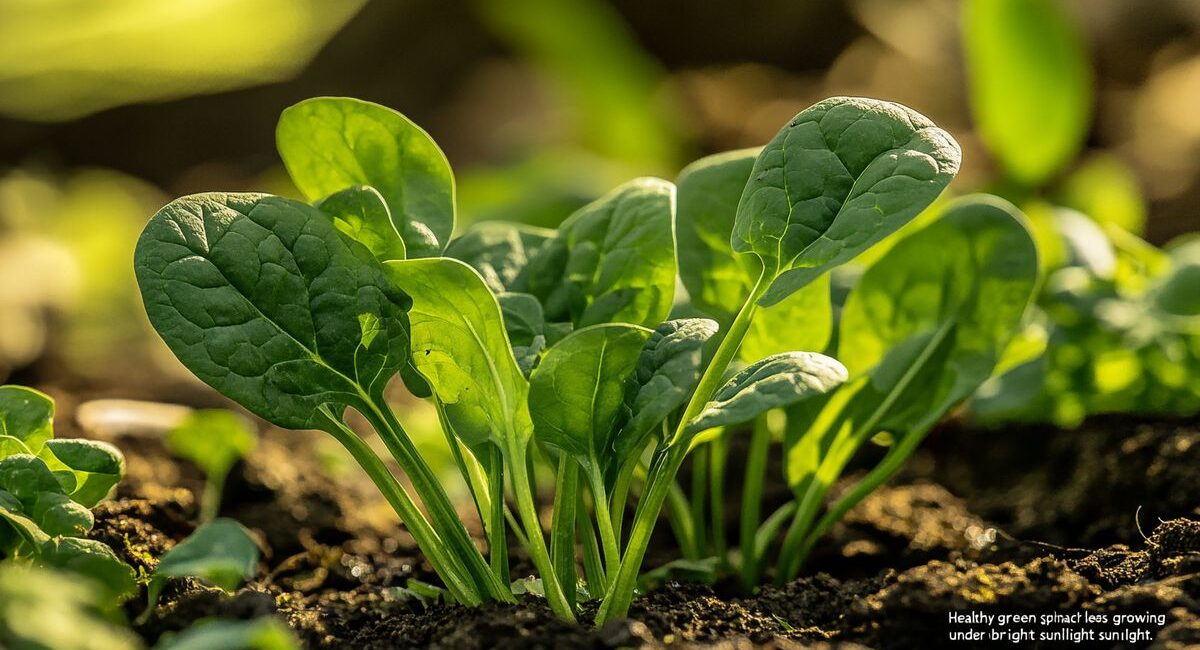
(1082, 112)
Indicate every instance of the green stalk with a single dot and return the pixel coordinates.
(697, 501)
(679, 516)
(718, 459)
(446, 565)
(444, 515)
(210, 500)
(497, 539)
(620, 495)
(592, 566)
(562, 527)
(752, 490)
(608, 538)
(470, 469)
(518, 469)
(668, 460)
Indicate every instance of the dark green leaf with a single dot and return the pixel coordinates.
(777, 381)
(526, 327)
(94, 560)
(220, 552)
(331, 143)
(361, 214)
(839, 177)
(613, 260)
(57, 515)
(500, 252)
(265, 301)
(668, 370)
(26, 478)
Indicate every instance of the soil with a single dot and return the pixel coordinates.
(1104, 519)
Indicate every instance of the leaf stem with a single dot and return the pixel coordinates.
(718, 459)
(752, 490)
(562, 527)
(517, 459)
(608, 539)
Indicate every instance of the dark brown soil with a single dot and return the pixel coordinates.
(1025, 520)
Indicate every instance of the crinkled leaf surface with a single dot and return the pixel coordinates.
(461, 348)
(27, 415)
(613, 261)
(577, 393)
(331, 143)
(777, 381)
(266, 302)
(500, 252)
(719, 280)
(526, 327)
(57, 515)
(362, 215)
(668, 370)
(840, 176)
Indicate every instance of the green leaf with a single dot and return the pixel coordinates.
(83, 618)
(777, 381)
(94, 467)
(461, 347)
(26, 478)
(220, 553)
(213, 439)
(839, 177)
(331, 143)
(94, 560)
(719, 280)
(266, 302)
(263, 633)
(1085, 243)
(1107, 191)
(57, 515)
(613, 260)
(1030, 84)
(667, 373)
(577, 393)
(500, 252)
(10, 445)
(362, 215)
(526, 325)
(27, 415)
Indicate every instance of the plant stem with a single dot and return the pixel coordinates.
(669, 458)
(210, 500)
(562, 527)
(620, 495)
(697, 500)
(446, 565)
(440, 508)
(497, 539)
(752, 490)
(718, 459)
(519, 475)
(592, 566)
(608, 539)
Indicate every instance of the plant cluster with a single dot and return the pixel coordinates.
(570, 349)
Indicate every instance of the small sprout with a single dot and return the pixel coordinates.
(214, 440)
(220, 553)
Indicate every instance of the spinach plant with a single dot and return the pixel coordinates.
(47, 487)
(558, 347)
(220, 553)
(214, 440)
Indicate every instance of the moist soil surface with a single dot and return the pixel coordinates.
(1104, 519)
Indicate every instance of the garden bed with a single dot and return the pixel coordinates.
(1069, 509)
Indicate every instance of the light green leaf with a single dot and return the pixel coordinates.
(362, 215)
(1030, 84)
(331, 143)
(213, 439)
(500, 252)
(31, 596)
(264, 633)
(668, 371)
(10, 445)
(839, 177)
(1085, 243)
(577, 393)
(718, 280)
(220, 553)
(1106, 189)
(613, 260)
(777, 381)
(266, 302)
(460, 346)
(27, 415)
(94, 467)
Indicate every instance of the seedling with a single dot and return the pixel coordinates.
(214, 440)
(220, 553)
(559, 345)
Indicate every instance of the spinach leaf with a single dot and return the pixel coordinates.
(88, 469)
(26, 415)
(362, 215)
(577, 393)
(213, 439)
(842, 175)
(263, 633)
(776, 381)
(613, 261)
(84, 617)
(220, 553)
(266, 302)
(718, 280)
(526, 327)
(500, 252)
(668, 370)
(331, 143)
